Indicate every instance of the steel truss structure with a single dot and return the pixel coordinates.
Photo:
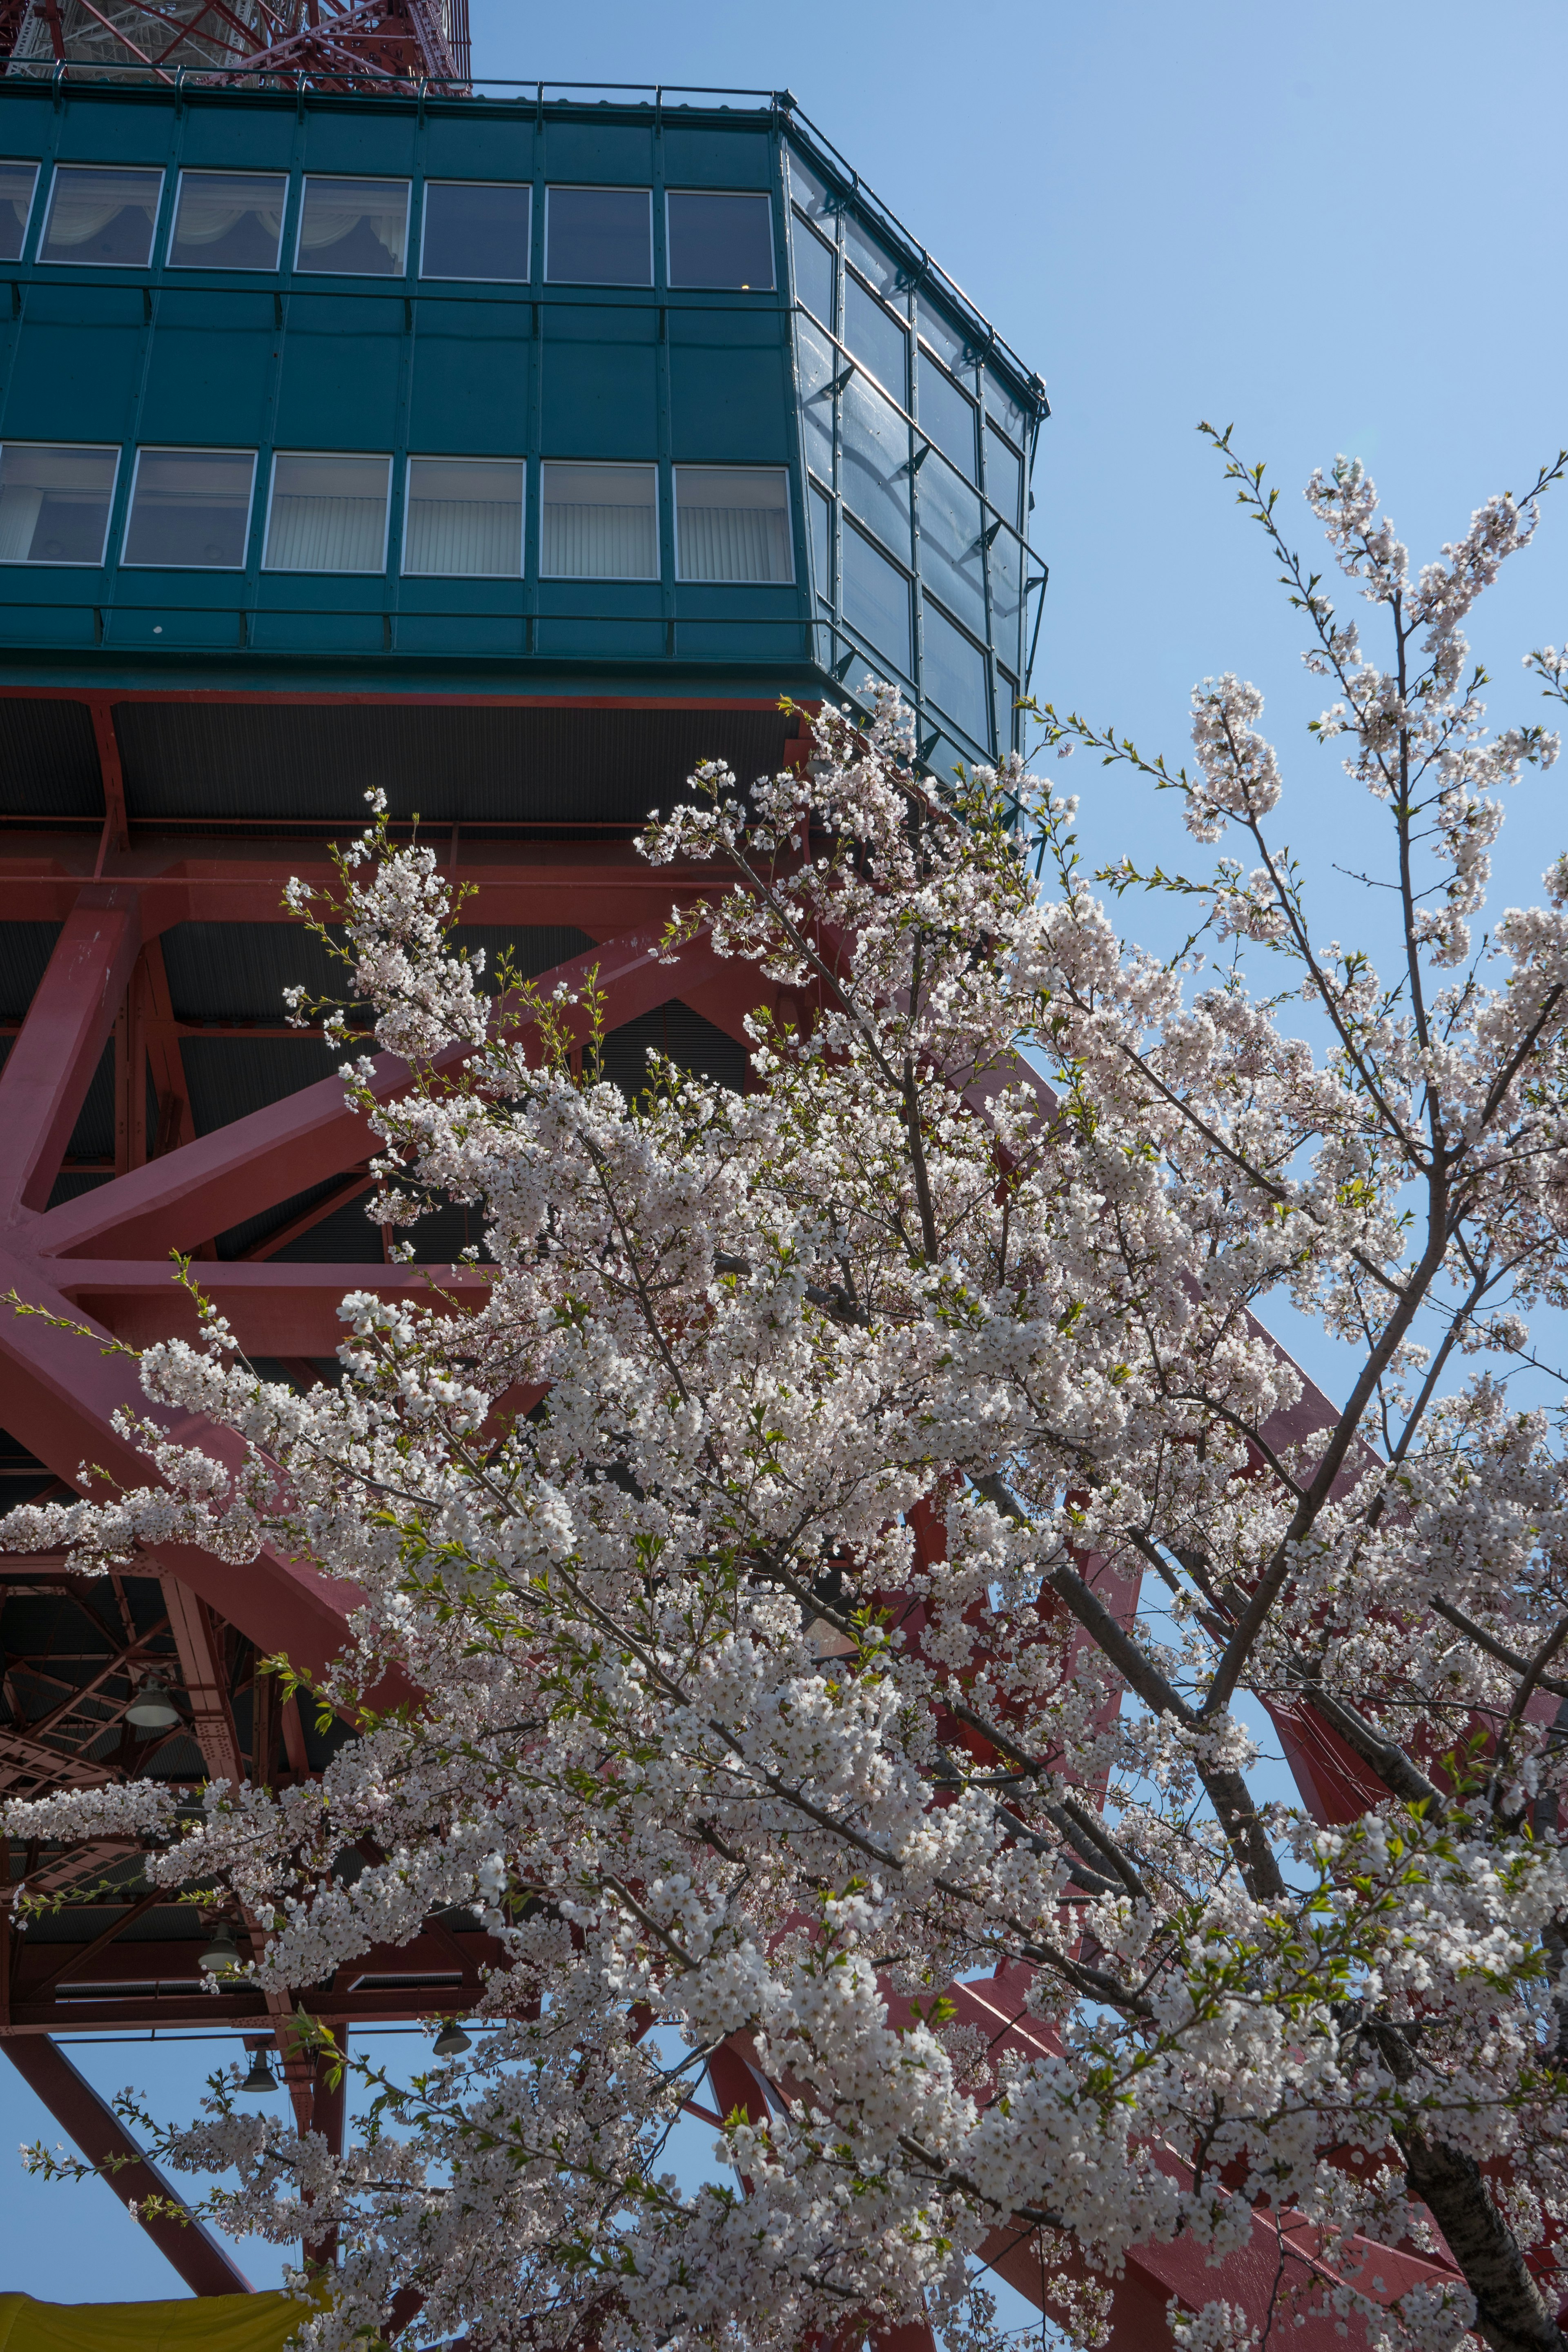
(332, 44)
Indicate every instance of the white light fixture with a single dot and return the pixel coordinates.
(152, 1710)
(451, 2041)
(259, 2080)
(221, 1953)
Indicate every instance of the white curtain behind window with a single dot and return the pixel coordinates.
(329, 514)
(19, 510)
(86, 201)
(211, 205)
(599, 523)
(733, 522)
(335, 208)
(464, 519)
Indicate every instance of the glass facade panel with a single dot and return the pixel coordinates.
(871, 259)
(821, 509)
(876, 462)
(191, 507)
(955, 674)
(947, 341)
(54, 503)
(810, 192)
(1004, 477)
(228, 220)
(17, 182)
(953, 562)
(357, 226)
(328, 514)
(599, 236)
(102, 214)
(1001, 406)
(599, 523)
(720, 240)
(814, 264)
(1007, 716)
(946, 416)
(477, 229)
(1007, 596)
(818, 360)
(875, 600)
(465, 517)
(731, 522)
(876, 338)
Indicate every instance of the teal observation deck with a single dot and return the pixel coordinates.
(520, 394)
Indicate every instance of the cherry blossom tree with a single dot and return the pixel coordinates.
(914, 1515)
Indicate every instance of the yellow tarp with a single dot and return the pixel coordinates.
(203, 2323)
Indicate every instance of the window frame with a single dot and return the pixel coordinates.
(852, 275)
(307, 269)
(849, 521)
(713, 466)
(189, 449)
(445, 277)
(596, 188)
(21, 163)
(221, 172)
(336, 572)
(68, 562)
(52, 261)
(461, 458)
(608, 465)
(751, 195)
(988, 664)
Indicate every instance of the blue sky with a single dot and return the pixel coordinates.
(1338, 226)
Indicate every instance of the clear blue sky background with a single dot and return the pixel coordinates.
(1338, 224)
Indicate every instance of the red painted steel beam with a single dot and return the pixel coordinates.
(51, 1068)
(188, 2245)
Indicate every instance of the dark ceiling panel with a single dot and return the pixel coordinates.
(230, 1076)
(25, 950)
(49, 759)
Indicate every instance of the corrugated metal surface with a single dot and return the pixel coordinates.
(25, 950)
(345, 1236)
(689, 1041)
(92, 1138)
(240, 1239)
(228, 1077)
(238, 971)
(48, 760)
(313, 763)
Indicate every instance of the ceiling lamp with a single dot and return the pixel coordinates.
(259, 2080)
(221, 1953)
(152, 1710)
(451, 2041)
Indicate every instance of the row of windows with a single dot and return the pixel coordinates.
(107, 215)
(463, 517)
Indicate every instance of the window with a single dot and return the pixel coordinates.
(875, 337)
(1007, 595)
(818, 364)
(876, 598)
(599, 523)
(228, 220)
(17, 182)
(718, 240)
(1003, 411)
(54, 503)
(811, 194)
(1004, 477)
(328, 514)
(955, 674)
(875, 443)
(358, 226)
(465, 517)
(870, 259)
(191, 507)
(599, 236)
(477, 229)
(821, 510)
(951, 562)
(950, 346)
(946, 416)
(1007, 716)
(99, 213)
(731, 522)
(814, 264)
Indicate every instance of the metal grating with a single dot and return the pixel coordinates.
(693, 1044)
(48, 760)
(230, 1076)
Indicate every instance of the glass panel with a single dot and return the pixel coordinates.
(54, 503)
(465, 517)
(946, 416)
(358, 225)
(954, 674)
(1001, 406)
(477, 229)
(17, 182)
(870, 259)
(1004, 477)
(599, 523)
(813, 266)
(876, 599)
(599, 236)
(947, 341)
(877, 464)
(103, 216)
(818, 363)
(191, 507)
(877, 339)
(717, 240)
(1007, 595)
(329, 514)
(813, 195)
(952, 562)
(731, 522)
(228, 220)
(821, 509)
(1007, 716)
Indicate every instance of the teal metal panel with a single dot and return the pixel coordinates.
(255, 134)
(28, 123)
(716, 159)
(488, 146)
(470, 378)
(209, 369)
(98, 128)
(360, 136)
(728, 385)
(600, 155)
(78, 360)
(599, 381)
(341, 359)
